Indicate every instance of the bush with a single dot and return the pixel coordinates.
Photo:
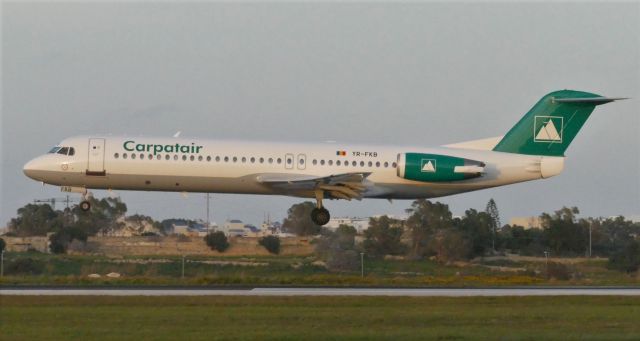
(217, 241)
(271, 243)
(558, 271)
(25, 266)
(627, 259)
(2, 244)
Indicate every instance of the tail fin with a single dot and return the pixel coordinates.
(550, 126)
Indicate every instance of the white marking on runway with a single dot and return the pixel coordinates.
(329, 292)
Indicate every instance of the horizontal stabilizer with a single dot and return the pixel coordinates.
(591, 100)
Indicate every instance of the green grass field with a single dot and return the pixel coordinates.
(47, 269)
(319, 318)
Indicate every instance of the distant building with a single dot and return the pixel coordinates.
(179, 228)
(236, 228)
(527, 222)
(360, 224)
(24, 244)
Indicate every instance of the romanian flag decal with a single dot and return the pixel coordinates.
(341, 153)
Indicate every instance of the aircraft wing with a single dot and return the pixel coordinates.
(340, 186)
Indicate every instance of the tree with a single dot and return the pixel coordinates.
(35, 220)
(217, 241)
(338, 250)
(449, 245)
(383, 237)
(2, 244)
(271, 243)
(627, 259)
(426, 218)
(60, 240)
(299, 221)
(492, 211)
(476, 227)
(563, 233)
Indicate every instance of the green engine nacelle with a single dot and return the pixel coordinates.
(437, 168)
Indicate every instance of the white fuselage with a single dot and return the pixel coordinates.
(210, 166)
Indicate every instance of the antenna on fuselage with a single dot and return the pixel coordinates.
(177, 134)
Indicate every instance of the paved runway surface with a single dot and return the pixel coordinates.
(329, 292)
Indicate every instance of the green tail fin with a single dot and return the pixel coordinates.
(550, 126)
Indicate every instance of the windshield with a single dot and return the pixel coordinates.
(62, 150)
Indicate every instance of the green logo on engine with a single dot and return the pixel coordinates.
(428, 166)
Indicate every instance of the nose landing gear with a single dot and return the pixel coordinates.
(320, 215)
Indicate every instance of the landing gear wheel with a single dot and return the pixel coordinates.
(85, 205)
(320, 216)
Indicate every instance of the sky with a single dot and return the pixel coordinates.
(420, 74)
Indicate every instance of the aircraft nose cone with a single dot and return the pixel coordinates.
(30, 169)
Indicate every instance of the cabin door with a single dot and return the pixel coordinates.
(95, 165)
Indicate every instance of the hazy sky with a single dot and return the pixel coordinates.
(408, 74)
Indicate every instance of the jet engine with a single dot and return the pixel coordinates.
(437, 168)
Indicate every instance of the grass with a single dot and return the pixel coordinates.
(319, 318)
(289, 270)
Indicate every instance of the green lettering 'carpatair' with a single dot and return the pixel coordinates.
(131, 146)
(550, 126)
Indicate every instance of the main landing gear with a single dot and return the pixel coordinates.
(320, 215)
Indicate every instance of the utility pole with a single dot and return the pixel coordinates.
(362, 264)
(208, 223)
(2, 263)
(590, 225)
(183, 266)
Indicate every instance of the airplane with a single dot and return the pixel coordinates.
(533, 149)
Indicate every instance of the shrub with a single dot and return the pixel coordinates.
(558, 271)
(217, 241)
(2, 244)
(627, 259)
(271, 243)
(25, 266)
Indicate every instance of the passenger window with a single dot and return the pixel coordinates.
(184, 158)
(386, 164)
(63, 150)
(279, 160)
(116, 155)
(315, 162)
(301, 161)
(338, 163)
(330, 162)
(361, 163)
(353, 163)
(141, 156)
(370, 164)
(226, 159)
(217, 159)
(377, 163)
(151, 156)
(209, 158)
(235, 159)
(321, 162)
(270, 160)
(253, 159)
(393, 165)
(133, 156)
(200, 158)
(175, 157)
(244, 159)
(167, 157)
(124, 156)
(261, 160)
(72, 151)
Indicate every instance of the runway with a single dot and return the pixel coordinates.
(430, 292)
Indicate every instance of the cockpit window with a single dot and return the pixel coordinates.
(54, 150)
(71, 151)
(63, 150)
